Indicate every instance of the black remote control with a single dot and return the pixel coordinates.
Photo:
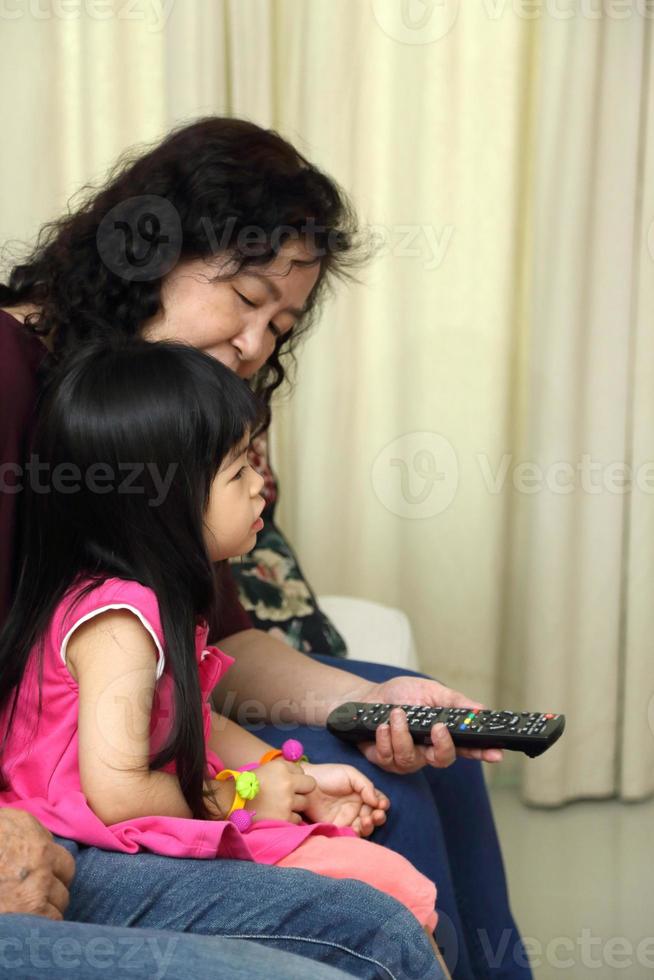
(530, 732)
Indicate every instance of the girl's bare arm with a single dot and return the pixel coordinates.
(113, 659)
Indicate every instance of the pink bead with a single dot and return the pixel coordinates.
(242, 820)
(292, 750)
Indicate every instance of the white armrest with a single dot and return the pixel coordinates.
(372, 632)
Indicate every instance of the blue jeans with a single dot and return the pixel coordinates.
(35, 947)
(441, 820)
(344, 924)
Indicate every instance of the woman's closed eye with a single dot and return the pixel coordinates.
(276, 332)
(237, 476)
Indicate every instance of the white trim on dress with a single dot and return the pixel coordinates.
(161, 660)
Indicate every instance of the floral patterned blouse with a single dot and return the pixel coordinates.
(272, 587)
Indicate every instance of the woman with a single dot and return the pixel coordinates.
(224, 237)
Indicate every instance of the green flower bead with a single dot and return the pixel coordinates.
(247, 785)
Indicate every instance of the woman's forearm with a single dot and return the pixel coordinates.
(272, 682)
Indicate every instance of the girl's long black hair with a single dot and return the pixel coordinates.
(217, 187)
(151, 415)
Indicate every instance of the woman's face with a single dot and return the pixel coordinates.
(238, 320)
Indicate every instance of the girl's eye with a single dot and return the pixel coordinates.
(240, 473)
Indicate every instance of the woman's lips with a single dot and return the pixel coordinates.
(258, 524)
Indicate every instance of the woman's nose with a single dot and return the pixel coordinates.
(257, 484)
(249, 342)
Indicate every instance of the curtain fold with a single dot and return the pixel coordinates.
(576, 587)
(636, 773)
(79, 90)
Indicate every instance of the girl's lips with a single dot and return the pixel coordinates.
(258, 524)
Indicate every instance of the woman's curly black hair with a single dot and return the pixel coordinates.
(217, 186)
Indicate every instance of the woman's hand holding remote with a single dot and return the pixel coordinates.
(394, 749)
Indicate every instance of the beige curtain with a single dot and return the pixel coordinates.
(579, 623)
(499, 346)
(78, 90)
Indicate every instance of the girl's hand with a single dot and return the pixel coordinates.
(282, 795)
(345, 797)
(284, 791)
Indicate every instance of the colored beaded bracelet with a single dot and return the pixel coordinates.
(291, 750)
(246, 787)
(246, 784)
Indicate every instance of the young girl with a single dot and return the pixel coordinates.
(137, 483)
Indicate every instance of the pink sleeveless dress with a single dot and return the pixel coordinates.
(42, 767)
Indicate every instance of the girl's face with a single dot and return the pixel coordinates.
(235, 321)
(231, 519)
